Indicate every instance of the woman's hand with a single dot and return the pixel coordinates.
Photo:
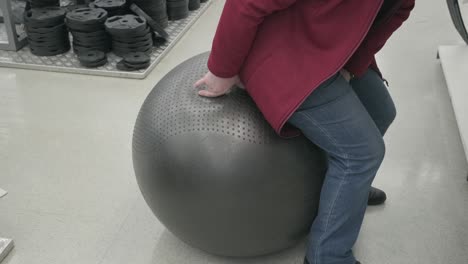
(216, 86)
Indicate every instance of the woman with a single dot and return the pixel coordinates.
(309, 65)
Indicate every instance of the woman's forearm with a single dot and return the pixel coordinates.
(236, 32)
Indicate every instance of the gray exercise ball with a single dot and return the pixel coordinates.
(216, 175)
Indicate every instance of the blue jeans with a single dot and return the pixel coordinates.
(348, 121)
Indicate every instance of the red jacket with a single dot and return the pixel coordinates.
(284, 49)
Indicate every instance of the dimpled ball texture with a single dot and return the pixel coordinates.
(214, 172)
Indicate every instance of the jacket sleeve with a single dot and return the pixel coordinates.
(376, 39)
(236, 32)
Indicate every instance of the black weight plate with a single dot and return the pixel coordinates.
(178, 3)
(157, 15)
(177, 10)
(137, 66)
(94, 34)
(132, 45)
(153, 24)
(48, 52)
(48, 42)
(48, 45)
(84, 37)
(90, 37)
(72, 7)
(178, 16)
(41, 24)
(59, 31)
(43, 3)
(121, 52)
(133, 40)
(87, 15)
(51, 49)
(94, 64)
(146, 41)
(85, 28)
(91, 56)
(101, 47)
(177, 6)
(111, 4)
(91, 42)
(149, 3)
(164, 22)
(51, 36)
(136, 58)
(131, 34)
(152, 6)
(158, 40)
(124, 67)
(45, 30)
(43, 38)
(47, 16)
(119, 12)
(194, 5)
(79, 24)
(80, 49)
(125, 24)
(48, 38)
(59, 37)
(87, 45)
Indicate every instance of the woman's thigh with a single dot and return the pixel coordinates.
(375, 97)
(334, 118)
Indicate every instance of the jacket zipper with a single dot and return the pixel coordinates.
(342, 64)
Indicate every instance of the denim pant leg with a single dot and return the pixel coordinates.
(375, 97)
(334, 118)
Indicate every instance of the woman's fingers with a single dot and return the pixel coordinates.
(207, 93)
(200, 82)
(215, 86)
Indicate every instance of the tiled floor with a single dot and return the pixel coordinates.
(65, 159)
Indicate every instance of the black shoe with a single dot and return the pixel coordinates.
(307, 262)
(376, 197)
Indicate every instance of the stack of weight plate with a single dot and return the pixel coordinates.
(129, 33)
(113, 7)
(156, 9)
(46, 31)
(87, 27)
(134, 61)
(43, 3)
(194, 5)
(177, 9)
(92, 59)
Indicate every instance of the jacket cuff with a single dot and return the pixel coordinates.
(360, 62)
(216, 68)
